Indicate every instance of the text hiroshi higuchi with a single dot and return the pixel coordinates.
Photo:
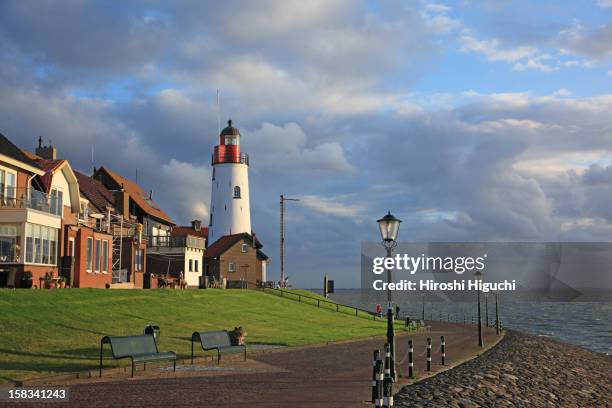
(456, 285)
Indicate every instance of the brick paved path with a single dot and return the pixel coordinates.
(334, 375)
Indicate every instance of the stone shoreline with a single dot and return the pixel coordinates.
(521, 371)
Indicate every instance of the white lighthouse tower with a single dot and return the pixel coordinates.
(230, 209)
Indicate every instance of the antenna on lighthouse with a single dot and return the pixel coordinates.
(218, 112)
(283, 279)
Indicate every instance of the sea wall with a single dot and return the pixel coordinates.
(521, 371)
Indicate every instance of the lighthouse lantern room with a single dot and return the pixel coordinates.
(230, 210)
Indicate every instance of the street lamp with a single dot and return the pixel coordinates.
(389, 227)
(478, 275)
(423, 310)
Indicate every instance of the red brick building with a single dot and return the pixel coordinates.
(236, 261)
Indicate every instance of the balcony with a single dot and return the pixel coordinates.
(218, 158)
(13, 197)
(172, 241)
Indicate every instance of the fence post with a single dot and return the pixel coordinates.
(410, 360)
(375, 384)
(429, 354)
(407, 321)
(388, 380)
(442, 346)
(380, 376)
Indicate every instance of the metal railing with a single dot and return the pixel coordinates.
(229, 158)
(13, 197)
(322, 303)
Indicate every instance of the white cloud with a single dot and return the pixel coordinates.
(610, 73)
(604, 3)
(288, 147)
(339, 206)
(493, 49)
(437, 8)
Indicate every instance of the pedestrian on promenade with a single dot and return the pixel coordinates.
(397, 312)
(379, 310)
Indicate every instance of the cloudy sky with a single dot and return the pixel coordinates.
(469, 120)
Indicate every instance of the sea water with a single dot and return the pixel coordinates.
(586, 324)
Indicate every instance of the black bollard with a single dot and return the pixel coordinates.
(388, 380)
(407, 322)
(374, 375)
(410, 360)
(380, 376)
(442, 352)
(429, 354)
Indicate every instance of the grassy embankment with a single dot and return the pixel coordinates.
(58, 331)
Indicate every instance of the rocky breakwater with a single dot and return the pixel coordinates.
(521, 371)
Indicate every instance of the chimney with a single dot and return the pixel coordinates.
(196, 225)
(46, 152)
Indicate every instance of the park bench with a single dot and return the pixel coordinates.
(139, 349)
(216, 340)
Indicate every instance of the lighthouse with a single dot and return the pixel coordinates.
(230, 209)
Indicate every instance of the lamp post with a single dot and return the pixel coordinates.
(389, 227)
(478, 275)
(486, 310)
(423, 310)
(496, 314)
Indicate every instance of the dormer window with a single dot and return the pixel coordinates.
(236, 192)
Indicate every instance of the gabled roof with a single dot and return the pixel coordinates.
(188, 230)
(95, 192)
(49, 167)
(15, 156)
(226, 242)
(137, 194)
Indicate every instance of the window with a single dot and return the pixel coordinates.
(191, 265)
(44, 236)
(53, 246)
(138, 259)
(245, 248)
(105, 256)
(56, 203)
(89, 254)
(37, 244)
(29, 243)
(231, 140)
(231, 267)
(196, 266)
(97, 255)
(8, 244)
(236, 192)
(8, 185)
(41, 244)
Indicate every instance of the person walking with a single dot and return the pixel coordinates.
(397, 312)
(379, 310)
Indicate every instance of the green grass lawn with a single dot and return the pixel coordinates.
(44, 332)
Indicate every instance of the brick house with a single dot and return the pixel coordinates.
(137, 207)
(42, 227)
(21, 208)
(236, 260)
(85, 252)
(127, 249)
